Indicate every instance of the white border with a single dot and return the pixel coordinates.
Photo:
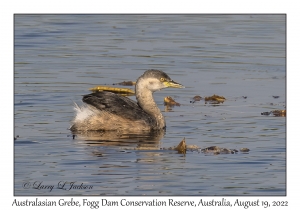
(154, 6)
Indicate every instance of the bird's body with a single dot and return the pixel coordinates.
(109, 111)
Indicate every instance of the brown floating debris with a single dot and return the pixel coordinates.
(215, 99)
(192, 147)
(279, 113)
(181, 148)
(212, 148)
(169, 101)
(121, 91)
(275, 96)
(196, 98)
(276, 113)
(266, 113)
(244, 150)
(126, 83)
(217, 150)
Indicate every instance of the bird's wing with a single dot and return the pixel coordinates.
(115, 104)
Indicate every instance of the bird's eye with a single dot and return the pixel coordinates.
(162, 79)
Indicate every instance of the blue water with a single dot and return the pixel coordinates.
(59, 57)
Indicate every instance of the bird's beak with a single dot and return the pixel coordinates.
(173, 84)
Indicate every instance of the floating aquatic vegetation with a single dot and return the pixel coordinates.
(266, 113)
(169, 101)
(215, 99)
(121, 91)
(196, 98)
(181, 148)
(276, 113)
(244, 150)
(126, 83)
(192, 147)
(217, 150)
(279, 113)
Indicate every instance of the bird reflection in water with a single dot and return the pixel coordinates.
(140, 141)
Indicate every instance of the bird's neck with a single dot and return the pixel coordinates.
(146, 101)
